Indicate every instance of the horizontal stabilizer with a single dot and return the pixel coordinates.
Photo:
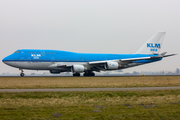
(163, 53)
(169, 55)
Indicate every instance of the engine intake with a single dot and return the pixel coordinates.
(111, 66)
(78, 68)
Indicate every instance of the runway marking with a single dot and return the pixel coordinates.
(88, 89)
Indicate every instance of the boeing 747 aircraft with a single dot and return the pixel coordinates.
(57, 61)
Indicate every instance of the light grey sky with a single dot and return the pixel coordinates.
(89, 26)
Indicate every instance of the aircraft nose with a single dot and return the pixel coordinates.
(4, 60)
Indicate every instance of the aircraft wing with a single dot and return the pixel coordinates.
(119, 60)
(131, 59)
(99, 65)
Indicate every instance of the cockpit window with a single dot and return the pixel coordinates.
(16, 52)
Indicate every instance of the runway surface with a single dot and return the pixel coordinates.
(88, 89)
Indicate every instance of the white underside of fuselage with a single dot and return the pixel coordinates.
(41, 65)
(61, 66)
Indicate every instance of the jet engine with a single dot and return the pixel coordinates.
(111, 65)
(78, 68)
(54, 71)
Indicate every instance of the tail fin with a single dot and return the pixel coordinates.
(153, 45)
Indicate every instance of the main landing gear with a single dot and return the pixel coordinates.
(22, 74)
(89, 73)
(76, 74)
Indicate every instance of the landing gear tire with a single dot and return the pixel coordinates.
(76, 74)
(22, 74)
(89, 74)
(92, 74)
(85, 74)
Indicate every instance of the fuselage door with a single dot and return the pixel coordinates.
(29, 59)
(43, 52)
(52, 59)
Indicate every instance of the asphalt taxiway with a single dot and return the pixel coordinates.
(88, 89)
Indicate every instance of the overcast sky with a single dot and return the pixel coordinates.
(89, 26)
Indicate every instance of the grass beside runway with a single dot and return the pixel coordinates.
(159, 104)
(88, 82)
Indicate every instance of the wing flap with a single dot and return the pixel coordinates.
(133, 59)
(97, 62)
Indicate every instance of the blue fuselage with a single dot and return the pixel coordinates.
(27, 55)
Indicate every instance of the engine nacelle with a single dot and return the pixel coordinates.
(54, 71)
(78, 68)
(111, 66)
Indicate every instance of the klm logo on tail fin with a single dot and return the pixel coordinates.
(154, 47)
(151, 45)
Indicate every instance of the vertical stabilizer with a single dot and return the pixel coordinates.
(153, 45)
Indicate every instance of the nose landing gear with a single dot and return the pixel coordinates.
(22, 74)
